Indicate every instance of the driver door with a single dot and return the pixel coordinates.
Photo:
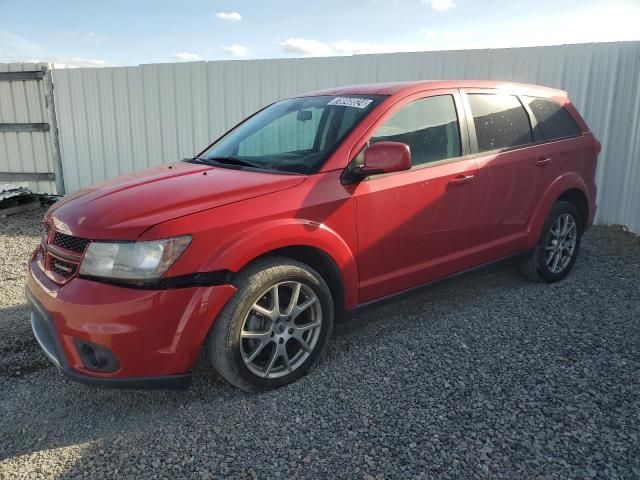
(414, 225)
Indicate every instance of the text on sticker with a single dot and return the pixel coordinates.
(351, 102)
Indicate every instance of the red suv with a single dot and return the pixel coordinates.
(312, 207)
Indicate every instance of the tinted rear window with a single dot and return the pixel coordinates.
(500, 121)
(553, 121)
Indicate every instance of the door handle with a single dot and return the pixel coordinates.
(541, 162)
(461, 179)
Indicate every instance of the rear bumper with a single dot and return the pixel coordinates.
(593, 209)
(153, 336)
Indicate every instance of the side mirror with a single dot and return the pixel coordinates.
(386, 157)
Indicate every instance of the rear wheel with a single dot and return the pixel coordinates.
(558, 246)
(274, 328)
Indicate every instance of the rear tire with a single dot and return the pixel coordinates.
(558, 246)
(276, 326)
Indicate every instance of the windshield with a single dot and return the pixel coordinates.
(296, 135)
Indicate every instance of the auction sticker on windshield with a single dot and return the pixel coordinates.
(351, 102)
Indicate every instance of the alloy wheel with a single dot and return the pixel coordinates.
(281, 329)
(561, 243)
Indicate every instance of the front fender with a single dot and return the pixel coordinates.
(567, 181)
(237, 251)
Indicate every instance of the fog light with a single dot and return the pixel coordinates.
(92, 357)
(96, 357)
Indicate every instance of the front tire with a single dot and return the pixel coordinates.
(558, 246)
(274, 328)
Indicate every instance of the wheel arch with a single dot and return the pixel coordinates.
(578, 198)
(311, 243)
(322, 263)
(570, 187)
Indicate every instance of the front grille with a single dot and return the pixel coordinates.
(62, 268)
(75, 244)
(61, 263)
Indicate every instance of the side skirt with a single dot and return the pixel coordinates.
(405, 293)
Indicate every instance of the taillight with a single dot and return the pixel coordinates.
(597, 146)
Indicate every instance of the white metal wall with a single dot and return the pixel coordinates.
(114, 120)
(23, 101)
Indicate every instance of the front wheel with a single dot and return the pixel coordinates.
(558, 246)
(274, 328)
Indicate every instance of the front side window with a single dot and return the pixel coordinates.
(296, 135)
(552, 120)
(429, 126)
(500, 121)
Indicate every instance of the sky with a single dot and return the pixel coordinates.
(90, 33)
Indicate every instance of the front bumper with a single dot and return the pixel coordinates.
(155, 335)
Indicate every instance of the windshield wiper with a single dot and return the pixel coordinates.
(196, 160)
(232, 161)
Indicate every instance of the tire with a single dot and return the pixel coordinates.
(250, 331)
(536, 267)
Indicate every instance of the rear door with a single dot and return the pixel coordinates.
(511, 169)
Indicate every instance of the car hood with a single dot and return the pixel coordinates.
(123, 208)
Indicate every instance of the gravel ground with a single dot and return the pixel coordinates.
(485, 376)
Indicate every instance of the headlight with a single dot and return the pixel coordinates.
(132, 260)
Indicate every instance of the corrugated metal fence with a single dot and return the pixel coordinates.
(26, 152)
(114, 120)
